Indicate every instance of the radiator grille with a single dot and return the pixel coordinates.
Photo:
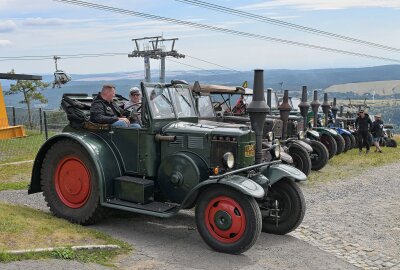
(195, 143)
(219, 148)
(177, 143)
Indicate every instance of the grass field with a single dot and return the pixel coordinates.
(27, 228)
(16, 176)
(351, 163)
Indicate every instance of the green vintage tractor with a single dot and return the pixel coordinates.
(169, 164)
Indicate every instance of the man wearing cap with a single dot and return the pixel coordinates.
(134, 105)
(363, 124)
(377, 131)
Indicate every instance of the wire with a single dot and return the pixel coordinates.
(221, 30)
(209, 71)
(208, 62)
(302, 28)
(64, 56)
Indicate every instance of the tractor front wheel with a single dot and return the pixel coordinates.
(228, 220)
(286, 208)
(70, 183)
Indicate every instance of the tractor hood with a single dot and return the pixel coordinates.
(207, 127)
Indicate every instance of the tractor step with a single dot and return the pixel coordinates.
(133, 189)
(159, 209)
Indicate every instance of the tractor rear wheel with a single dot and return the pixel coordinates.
(319, 156)
(301, 158)
(330, 144)
(228, 220)
(340, 144)
(347, 142)
(69, 182)
(353, 141)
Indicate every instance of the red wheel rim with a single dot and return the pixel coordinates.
(225, 219)
(72, 182)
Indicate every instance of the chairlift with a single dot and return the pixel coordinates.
(60, 77)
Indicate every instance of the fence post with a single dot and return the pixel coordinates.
(40, 120)
(46, 134)
(13, 116)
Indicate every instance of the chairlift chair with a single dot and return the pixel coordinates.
(60, 77)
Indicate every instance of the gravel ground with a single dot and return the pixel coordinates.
(349, 224)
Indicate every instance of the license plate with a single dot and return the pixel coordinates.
(249, 151)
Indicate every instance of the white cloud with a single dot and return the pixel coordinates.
(43, 21)
(5, 42)
(324, 4)
(7, 26)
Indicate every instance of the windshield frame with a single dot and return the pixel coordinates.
(171, 94)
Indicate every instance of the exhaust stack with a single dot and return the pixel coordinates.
(304, 106)
(258, 110)
(269, 96)
(326, 108)
(284, 110)
(315, 106)
(334, 109)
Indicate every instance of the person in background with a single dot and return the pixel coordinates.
(105, 111)
(363, 125)
(377, 131)
(134, 105)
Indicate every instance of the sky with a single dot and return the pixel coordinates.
(46, 27)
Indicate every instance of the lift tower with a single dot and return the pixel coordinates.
(155, 49)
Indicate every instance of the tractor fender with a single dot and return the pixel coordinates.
(313, 134)
(104, 159)
(278, 171)
(240, 183)
(302, 144)
(342, 131)
(324, 130)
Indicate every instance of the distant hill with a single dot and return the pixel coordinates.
(382, 88)
(292, 80)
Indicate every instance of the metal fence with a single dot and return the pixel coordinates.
(42, 125)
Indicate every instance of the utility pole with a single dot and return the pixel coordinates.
(155, 49)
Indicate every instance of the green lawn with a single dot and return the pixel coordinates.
(26, 228)
(351, 163)
(17, 176)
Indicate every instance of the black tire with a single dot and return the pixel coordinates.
(329, 143)
(245, 210)
(392, 143)
(347, 142)
(301, 158)
(319, 156)
(291, 205)
(340, 144)
(353, 141)
(356, 139)
(67, 166)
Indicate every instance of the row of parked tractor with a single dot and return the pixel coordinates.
(194, 148)
(307, 139)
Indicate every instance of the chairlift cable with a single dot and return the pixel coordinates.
(269, 20)
(222, 30)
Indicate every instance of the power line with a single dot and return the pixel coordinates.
(64, 56)
(86, 55)
(221, 30)
(208, 62)
(302, 28)
(209, 71)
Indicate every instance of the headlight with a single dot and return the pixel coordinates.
(270, 136)
(277, 149)
(302, 135)
(229, 160)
